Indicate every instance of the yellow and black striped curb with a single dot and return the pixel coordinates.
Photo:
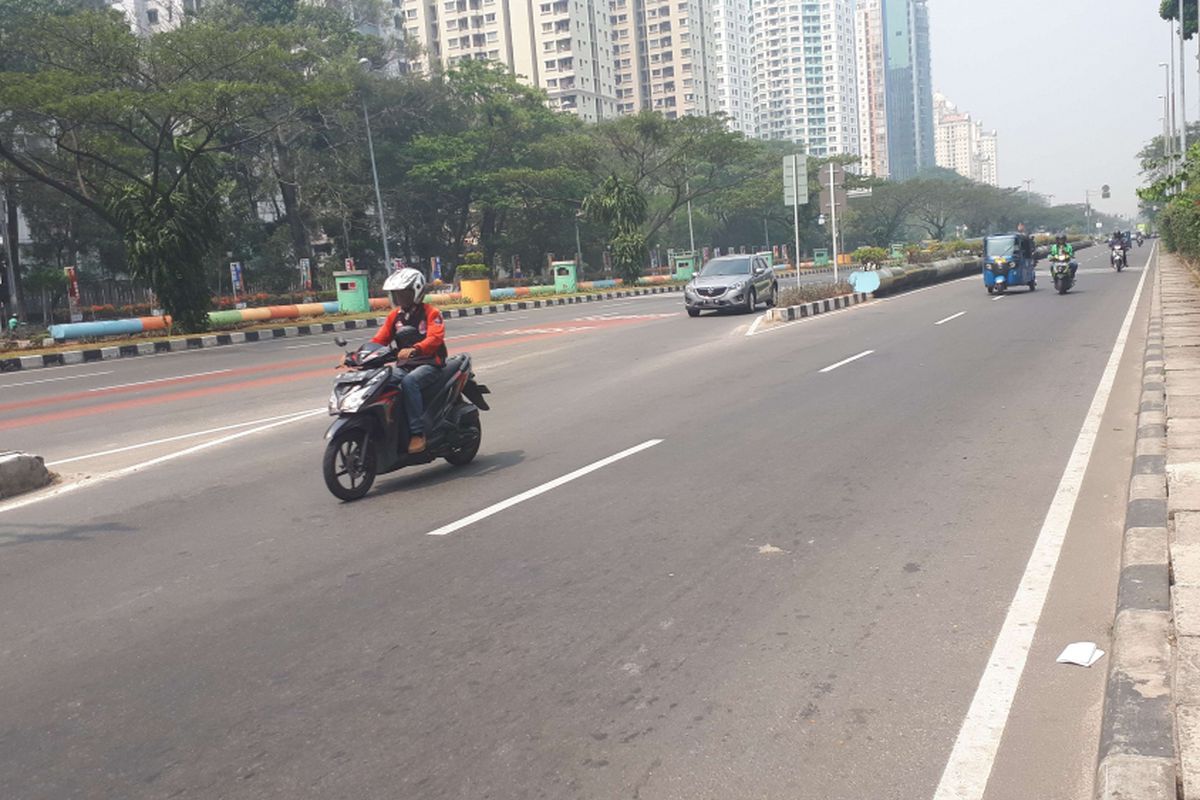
(91, 354)
(1137, 743)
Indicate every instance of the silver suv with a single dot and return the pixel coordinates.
(731, 282)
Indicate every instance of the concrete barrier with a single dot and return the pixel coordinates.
(899, 279)
(22, 472)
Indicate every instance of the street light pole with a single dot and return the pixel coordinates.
(1182, 90)
(1168, 120)
(387, 256)
(578, 248)
(687, 187)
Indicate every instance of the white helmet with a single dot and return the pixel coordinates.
(407, 278)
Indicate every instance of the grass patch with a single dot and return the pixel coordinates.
(798, 296)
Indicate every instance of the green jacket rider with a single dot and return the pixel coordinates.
(1062, 247)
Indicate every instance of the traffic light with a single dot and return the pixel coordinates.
(1104, 192)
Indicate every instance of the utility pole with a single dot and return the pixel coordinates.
(387, 256)
(1182, 90)
(833, 219)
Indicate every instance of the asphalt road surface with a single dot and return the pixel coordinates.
(791, 590)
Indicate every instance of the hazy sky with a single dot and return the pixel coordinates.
(1011, 63)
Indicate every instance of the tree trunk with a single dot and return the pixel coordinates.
(12, 252)
(285, 173)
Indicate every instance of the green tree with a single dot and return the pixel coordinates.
(134, 129)
(621, 207)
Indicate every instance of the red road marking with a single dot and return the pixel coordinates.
(206, 391)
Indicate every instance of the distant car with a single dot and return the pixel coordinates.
(731, 283)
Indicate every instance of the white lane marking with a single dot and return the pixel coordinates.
(54, 380)
(999, 297)
(950, 318)
(170, 439)
(970, 764)
(539, 490)
(159, 380)
(849, 360)
(83, 483)
(754, 326)
(310, 344)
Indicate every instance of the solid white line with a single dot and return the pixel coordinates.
(539, 490)
(754, 326)
(970, 765)
(53, 380)
(83, 483)
(846, 361)
(180, 437)
(949, 318)
(159, 380)
(310, 344)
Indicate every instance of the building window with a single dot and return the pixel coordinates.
(152, 16)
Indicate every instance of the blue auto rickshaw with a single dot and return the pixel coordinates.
(1008, 260)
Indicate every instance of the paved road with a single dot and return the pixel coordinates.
(793, 594)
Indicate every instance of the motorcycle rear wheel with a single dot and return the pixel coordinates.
(349, 465)
(461, 456)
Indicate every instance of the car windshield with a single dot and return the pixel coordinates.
(727, 266)
(1000, 246)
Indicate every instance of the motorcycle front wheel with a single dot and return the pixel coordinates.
(349, 465)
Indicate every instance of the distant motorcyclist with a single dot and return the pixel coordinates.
(406, 290)
(1119, 241)
(1062, 247)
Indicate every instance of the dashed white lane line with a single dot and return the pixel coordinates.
(55, 380)
(950, 318)
(177, 438)
(492, 510)
(999, 297)
(83, 483)
(970, 763)
(849, 360)
(160, 380)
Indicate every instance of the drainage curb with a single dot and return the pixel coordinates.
(1137, 742)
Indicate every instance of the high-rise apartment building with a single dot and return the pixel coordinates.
(961, 143)
(987, 157)
(895, 87)
(562, 46)
(805, 84)
(732, 72)
(661, 50)
(872, 87)
(148, 17)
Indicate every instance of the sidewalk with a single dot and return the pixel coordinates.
(1150, 747)
(1181, 361)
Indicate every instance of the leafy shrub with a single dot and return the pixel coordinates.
(811, 293)
(470, 271)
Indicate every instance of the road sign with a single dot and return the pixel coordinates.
(836, 176)
(795, 166)
(1105, 191)
(842, 198)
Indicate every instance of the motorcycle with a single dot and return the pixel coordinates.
(1118, 258)
(1060, 270)
(370, 435)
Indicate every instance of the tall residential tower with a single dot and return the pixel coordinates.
(805, 84)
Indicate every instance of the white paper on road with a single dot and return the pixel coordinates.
(1082, 653)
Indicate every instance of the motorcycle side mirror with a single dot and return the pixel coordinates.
(340, 342)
